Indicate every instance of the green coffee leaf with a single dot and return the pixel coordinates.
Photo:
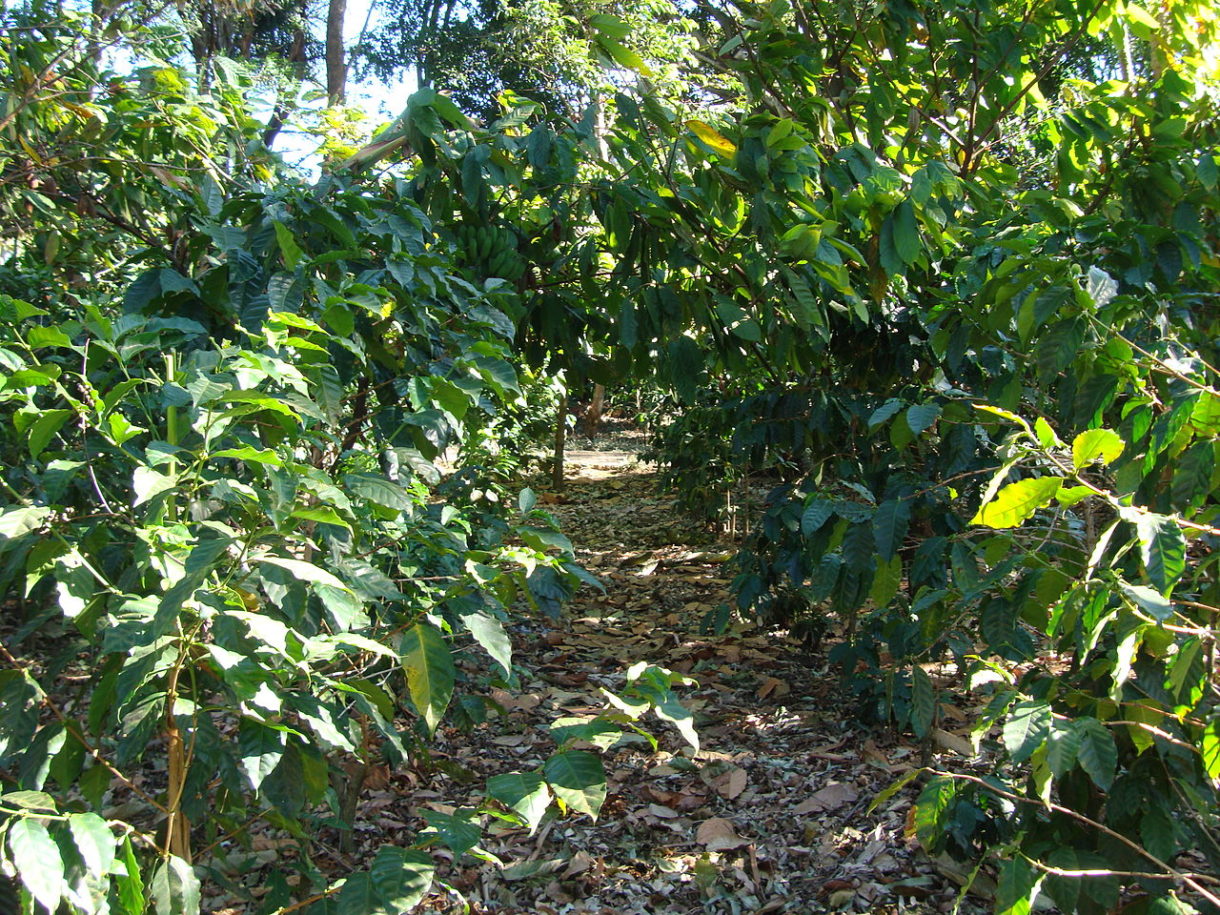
(1097, 755)
(1147, 599)
(1162, 548)
(1210, 748)
(923, 702)
(921, 416)
(94, 841)
(1017, 502)
(524, 792)
(1096, 444)
(430, 673)
(489, 633)
(578, 779)
(1062, 746)
(400, 878)
(933, 810)
(1027, 727)
(37, 860)
(288, 245)
(39, 435)
(302, 571)
(890, 526)
(261, 748)
(175, 888)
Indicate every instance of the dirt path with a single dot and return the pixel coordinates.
(770, 816)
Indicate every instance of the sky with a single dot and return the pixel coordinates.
(380, 100)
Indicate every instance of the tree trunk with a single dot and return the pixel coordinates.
(593, 416)
(561, 432)
(336, 58)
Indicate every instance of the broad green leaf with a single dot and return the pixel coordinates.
(923, 702)
(94, 841)
(816, 513)
(147, 484)
(932, 811)
(43, 429)
(1148, 599)
(886, 411)
(16, 522)
(890, 526)
(886, 581)
(1027, 727)
(1096, 444)
(1062, 746)
(1017, 886)
(430, 673)
(489, 633)
(1017, 502)
(251, 455)
(261, 748)
(1097, 755)
(129, 883)
(578, 779)
(524, 792)
(1162, 548)
(1209, 748)
(906, 242)
(37, 860)
(175, 888)
(458, 834)
(921, 416)
(302, 571)
(610, 25)
(400, 879)
(288, 245)
(346, 609)
(673, 711)
(1101, 287)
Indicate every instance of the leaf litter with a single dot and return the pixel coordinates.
(769, 816)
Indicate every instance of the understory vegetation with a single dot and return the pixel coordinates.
(944, 277)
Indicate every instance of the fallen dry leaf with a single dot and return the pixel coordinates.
(718, 834)
(771, 685)
(832, 797)
(730, 784)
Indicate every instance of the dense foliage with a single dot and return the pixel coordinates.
(945, 273)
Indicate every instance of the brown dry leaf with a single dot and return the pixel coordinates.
(731, 783)
(717, 834)
(581, 862)
(954, 742)
(832, 797)
(511, 740)
(772, 685)
(513, 701)
(872, 754)
(665, 813)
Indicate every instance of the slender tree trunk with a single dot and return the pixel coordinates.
(336, 57)
(561, 433)
(593, 416)
(296, 56)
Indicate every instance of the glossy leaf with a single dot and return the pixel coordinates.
(430, 672)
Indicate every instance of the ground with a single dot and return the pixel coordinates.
(771, 815)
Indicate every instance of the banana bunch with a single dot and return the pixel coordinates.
(491, 250)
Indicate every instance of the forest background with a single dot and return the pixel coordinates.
(946, 274)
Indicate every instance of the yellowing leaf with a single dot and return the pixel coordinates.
(712, 137)
(1103, 444)
(1017, 501)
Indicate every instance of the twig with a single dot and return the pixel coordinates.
(1190, 879)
